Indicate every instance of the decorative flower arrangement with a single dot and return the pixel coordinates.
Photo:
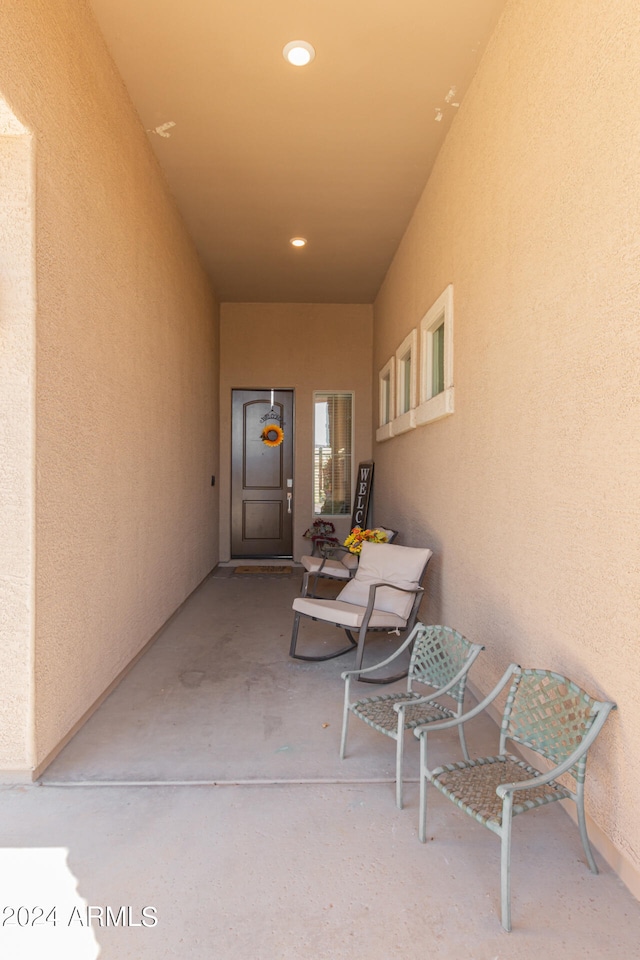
(357, 537)
(272, 435)
(321, 530)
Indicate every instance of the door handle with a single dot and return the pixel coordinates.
(289, 496)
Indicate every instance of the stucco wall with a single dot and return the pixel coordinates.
(126, 395)
(304, 347)
(17, 392)
(530, 492)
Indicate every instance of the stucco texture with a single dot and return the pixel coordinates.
(17, 390)
(529, 492)
(302, 347)
(126, 372)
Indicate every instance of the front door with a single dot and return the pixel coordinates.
(262, 473)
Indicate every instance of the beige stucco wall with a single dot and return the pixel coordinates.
(530, 492)
(17, 392)
(303, 347)
(126, 384)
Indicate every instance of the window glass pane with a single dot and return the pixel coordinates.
(386, 399)
(406, 383)
(332, 454)
(437, 371)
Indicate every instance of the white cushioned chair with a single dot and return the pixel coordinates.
(339, 564)
(384, 594)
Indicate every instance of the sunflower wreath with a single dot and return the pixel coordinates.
(272, 435)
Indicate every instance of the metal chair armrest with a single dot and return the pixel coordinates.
(394, 586)
(403, 646)
(372, 596)
(338, 548)
(603, 710)
(372, 599)
(315, 549)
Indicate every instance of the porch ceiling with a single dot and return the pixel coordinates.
(256, 151)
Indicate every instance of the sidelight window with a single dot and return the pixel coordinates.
(333, 443)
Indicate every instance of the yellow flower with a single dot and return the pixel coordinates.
(357, 537)
(272, 435)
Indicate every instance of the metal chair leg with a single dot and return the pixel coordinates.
(505, 862)
(463, 742)
(582, 826)
(360, 655)
(345, 724)
(294, 635)
(422, 818)
(326, 656)
(399, 755)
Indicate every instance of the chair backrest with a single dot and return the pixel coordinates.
(387, 563)
(391, 534)
(349, 560)
(439, 654)
(551, 715)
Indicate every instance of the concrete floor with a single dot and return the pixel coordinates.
(208, 786)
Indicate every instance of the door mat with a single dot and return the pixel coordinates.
(282, 571)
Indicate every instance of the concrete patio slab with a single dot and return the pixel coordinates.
(237, 856)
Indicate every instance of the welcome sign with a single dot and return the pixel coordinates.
(363, 494)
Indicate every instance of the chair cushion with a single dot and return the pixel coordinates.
(345, 614)
(331, 568)
(387, 563)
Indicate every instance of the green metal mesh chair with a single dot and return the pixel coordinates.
(546, 713)
(440, 659)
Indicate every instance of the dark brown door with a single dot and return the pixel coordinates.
(262, 473)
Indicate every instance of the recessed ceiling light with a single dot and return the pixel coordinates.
(298, 242)
(299, 53)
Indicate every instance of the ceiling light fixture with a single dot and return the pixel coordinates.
(298, 242)
(298, 52)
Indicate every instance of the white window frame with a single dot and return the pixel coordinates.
(386, 396)
(434, 407)
(405, 420)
